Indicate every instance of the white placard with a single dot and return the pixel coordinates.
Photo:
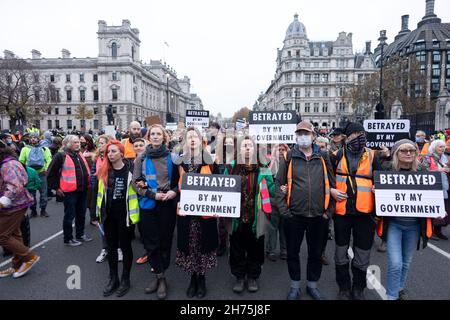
(197, 118)
(110, 131)
(172, 126)
(410, 203)
(273, 133)
(207, 203)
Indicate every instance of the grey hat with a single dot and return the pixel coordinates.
(400, 142)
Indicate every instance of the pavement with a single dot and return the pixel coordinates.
(53, 276)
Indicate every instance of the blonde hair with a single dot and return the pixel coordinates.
(164, 132)
(395, 163)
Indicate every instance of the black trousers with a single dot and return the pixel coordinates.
(157, 227)
(118, 235)
(246, 252)
(295, 229)
(362, 227)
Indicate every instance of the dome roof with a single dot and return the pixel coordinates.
(296, 29)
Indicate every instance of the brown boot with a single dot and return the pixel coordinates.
(161, 292)
(152, 287)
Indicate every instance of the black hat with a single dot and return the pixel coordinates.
(336, 132)
(353, 127)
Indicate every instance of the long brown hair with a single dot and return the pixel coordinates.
(107, 166)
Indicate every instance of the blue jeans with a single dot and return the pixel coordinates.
(74, 208)
(43, 194)
(401, 244)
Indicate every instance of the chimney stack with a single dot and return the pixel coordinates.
(368, 47)
(405, 22)
(35, 54)
(429, 12)
(65, 54)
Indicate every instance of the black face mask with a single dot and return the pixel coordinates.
(357, 144)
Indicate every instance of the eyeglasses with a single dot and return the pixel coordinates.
(405, 151)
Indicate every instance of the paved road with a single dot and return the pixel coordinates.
(429, 277)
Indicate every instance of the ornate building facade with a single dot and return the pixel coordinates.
(313, 76)
(117, 78)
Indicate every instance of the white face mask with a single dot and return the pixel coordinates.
(304, 141)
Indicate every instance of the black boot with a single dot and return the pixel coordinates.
(124, 286)
(192, 289)
(201, 291)
(161, 292)
(112, 286)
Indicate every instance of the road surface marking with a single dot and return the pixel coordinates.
(439, 250)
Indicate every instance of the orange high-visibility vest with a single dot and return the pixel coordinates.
(129, 152)
(424, 150)
(68, 180)
(204, 170)
(325, 178)
(364, 183)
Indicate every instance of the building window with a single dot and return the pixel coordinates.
(325, 92)
(307, 92)
(325, 108)
(287, 65)
(56, 124)
(82, 95)
(316, 65)
(436, 72)
(307, 78)
(69, 110)
(95, 95)
(81, 77)
(436, 56)
(316, 92)
(58, 98)
(316, 107)
(69, 95)
(49, 111)
(95, 78)
(67, 77)
(132, 53)
(316, 78)
(288, 93)
(135, 95)
(114, 94)
(96, 124)
(307, 64)
(297, 107)
(307, 107)
(289, 53)
(37, 96)
(114, 76)
(52, 78)
(49, 124)
(95, 110)
(36, 78)
(69, 124)
(421, 57)
(325, 78)
(297, 53)
(114, 50)
(287, 77)
(436, 44)
(56, 112)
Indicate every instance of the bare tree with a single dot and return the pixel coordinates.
(403, 79)
(241, 113)
(82, 112)
(24, 94)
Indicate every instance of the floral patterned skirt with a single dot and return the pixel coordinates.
(195, 261)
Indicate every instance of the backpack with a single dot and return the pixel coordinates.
(36, 158)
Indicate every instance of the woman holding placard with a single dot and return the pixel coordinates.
(247, 232)
(437, 160)
(155, 178)
(197, 236)
(403, 233)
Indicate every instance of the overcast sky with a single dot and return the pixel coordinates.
(226, 47)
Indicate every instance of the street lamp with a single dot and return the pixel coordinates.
(168, 114)
(295, 105)
(379, 114)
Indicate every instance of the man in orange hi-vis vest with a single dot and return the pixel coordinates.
(354, 166)
(68, 174)
(306, 176)
(135, 132)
